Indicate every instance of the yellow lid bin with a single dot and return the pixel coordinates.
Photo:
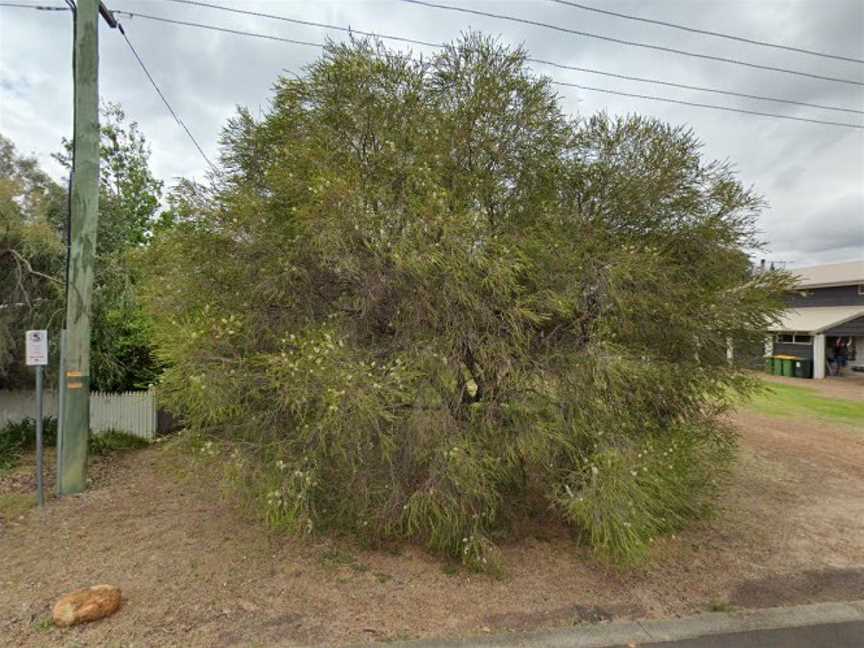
(784, 365)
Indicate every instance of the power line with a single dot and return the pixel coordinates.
(308, 23)
(349, 30)
(621, 41)
(685, 86)
(702, 105)
(741, 39)
(227, 30)
(21, 5)
(426, 43)
(164, 100)
(144, 67)
(562, 83)
(414, 41)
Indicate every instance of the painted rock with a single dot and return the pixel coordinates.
(90, 604)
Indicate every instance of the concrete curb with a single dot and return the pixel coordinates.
(648, 632)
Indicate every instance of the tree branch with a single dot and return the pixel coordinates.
(21, 259)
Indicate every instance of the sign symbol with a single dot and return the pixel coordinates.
(36, 348)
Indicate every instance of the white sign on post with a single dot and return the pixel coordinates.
(37, 348)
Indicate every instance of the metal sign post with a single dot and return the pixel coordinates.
(36, 346)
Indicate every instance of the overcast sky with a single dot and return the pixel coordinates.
(812, 175)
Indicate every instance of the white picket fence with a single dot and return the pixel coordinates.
(133, 412)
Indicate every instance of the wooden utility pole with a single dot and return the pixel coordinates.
(75, 383)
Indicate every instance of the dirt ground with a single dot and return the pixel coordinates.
(194, 572)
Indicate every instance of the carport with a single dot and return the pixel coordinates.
(803, 332)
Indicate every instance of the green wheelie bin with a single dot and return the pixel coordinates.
(803, 368)
(777, 365)
(784, 365)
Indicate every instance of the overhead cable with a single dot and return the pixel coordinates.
(708, 32)
(623, 41)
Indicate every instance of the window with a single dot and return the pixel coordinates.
(794, 338)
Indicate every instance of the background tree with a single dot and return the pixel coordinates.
(32, 254)
(422, 303)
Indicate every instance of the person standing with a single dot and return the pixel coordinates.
(842, 352)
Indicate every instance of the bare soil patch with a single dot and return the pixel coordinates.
(19, 483)
(196, 572)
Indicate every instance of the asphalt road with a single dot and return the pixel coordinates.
(817, 625)
(829, 635)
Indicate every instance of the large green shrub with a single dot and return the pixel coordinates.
(421, 302)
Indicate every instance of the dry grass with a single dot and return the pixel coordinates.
(197, 572)
(14, 505)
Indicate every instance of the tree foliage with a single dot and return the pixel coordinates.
(421, 301)
(32, 255)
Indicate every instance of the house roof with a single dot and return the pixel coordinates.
(818, 318)
(832, 274)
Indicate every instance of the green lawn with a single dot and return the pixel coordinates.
(786, 400)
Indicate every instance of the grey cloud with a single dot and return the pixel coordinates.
(835, 228)
(800, 168)
(789, 177)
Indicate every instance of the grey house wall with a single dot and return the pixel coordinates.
(801, 350)
(853, 327)
(835, 296)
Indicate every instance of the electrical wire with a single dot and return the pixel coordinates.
(622, 41)
(686, 86)
(403, 39)
(298, 21)
(701, 105)
(133, 14)
(174, 114)
(21, 5)
(426, 43)
(707, 32)
(165, 101)
(227, 30)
